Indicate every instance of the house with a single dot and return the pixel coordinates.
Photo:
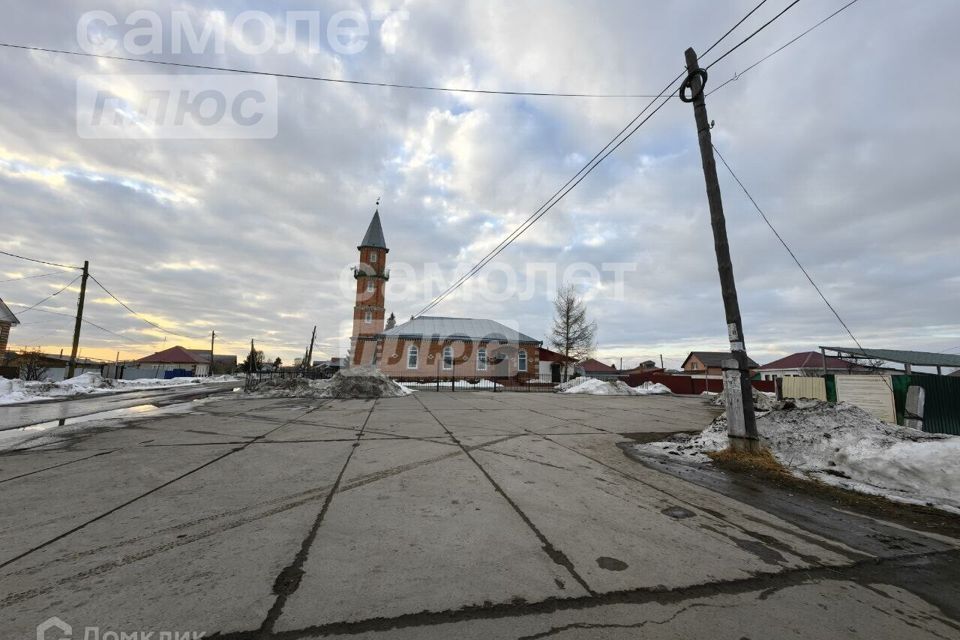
(7, 320)
(428, 346)
(551, 365)
(807, 363)
(174, 362)
(595, 369)
(462, 347)
(222, 363)
(48, 366)
(710, 363)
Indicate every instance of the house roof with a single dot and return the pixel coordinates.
(595, 366)
(809, 360)
(715, 358)
(915, 358)
(470, 328)
(173, 355)
(546, 355)
(373, 238)
(203, 355)
(6, 315)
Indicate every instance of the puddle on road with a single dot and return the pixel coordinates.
(137, 410)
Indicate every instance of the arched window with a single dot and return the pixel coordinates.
(522, 361)
(368, 317)
(481, 359)
(448, 357)
(413, 356)
(371, 286)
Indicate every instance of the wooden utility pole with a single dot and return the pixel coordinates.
(71, 370)
(741, 421)
(309, 362)
(213, 336)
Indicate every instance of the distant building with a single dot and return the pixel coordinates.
(551, 365)
(222, 362)
(595, 369)
(428, 346)
(710, 363)
(7, 320)
(170, 363)
(463, 347)
(807, 363)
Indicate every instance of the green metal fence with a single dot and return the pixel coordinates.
(941, 411)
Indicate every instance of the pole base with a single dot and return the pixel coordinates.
(745, 445)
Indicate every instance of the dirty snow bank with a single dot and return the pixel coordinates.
(843, 445)
(594, 387)
(762, 401)
(357, 382)
(17, 390)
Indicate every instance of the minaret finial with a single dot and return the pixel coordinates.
(378, 202)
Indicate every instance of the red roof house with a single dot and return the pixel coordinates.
(806, 363)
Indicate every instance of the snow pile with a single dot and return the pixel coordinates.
(652, 389)
(762, 401)
(365, 382)
(843, 445)
(290, 388)
(88, 384)
(357, 382)
(595, 387)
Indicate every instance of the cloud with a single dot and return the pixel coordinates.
(838, 137)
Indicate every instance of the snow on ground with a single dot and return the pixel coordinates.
(17, 390)
(356, 382)
(843, 445)
(595, 387)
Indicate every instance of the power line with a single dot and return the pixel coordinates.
(67, 286)
(294, 76)
(85, 320)
(52, 264)
(756, 31)
(572, 183)
(789, 250)
(42, 275)
(736, 76)
(124, 305)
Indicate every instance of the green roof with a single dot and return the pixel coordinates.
(913, 358)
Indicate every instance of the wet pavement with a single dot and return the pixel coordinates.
(437, 515)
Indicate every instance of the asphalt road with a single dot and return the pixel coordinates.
(439, 515)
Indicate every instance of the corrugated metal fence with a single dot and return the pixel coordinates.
(941, 412)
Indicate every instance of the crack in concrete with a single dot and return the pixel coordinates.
(57, 466)
(134, 499)
(869, 571)
(552, 552)
(288, 580)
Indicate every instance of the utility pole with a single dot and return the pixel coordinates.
(661, 361)
(741, 421)
(309, 363)
(213, 336)
(76, 327)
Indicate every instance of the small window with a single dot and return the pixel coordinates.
(413, 356)
(371, 286)
(373, 256)
(522, 361)
(368, 317)
(448, 357)
(481, 359)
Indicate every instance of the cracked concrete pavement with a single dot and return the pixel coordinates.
(437, 515)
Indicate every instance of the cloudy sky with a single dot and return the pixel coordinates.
(847, 139)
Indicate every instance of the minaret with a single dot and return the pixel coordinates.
(371, 275)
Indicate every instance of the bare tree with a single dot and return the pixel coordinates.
(32, 365)
(572, 333)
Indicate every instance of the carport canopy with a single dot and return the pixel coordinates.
(907, 358)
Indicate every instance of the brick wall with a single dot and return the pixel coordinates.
(4, 335)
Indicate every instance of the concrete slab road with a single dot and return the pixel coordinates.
(437, 515)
